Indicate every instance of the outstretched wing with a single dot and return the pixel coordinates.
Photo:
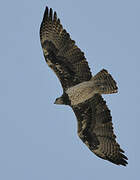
(96, 130)
(61, 53)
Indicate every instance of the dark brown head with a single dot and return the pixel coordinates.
(64, 99)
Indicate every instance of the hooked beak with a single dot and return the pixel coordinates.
(59, 101)
(55, 102)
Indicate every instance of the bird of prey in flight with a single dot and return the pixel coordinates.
(81, 91)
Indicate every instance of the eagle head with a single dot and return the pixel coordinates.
(59, 100)
(64, 99)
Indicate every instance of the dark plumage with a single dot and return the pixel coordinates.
(81, 91)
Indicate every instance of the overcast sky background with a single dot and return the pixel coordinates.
(38, 140)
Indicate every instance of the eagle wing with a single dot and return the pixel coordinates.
(61, 53)
(96, 130)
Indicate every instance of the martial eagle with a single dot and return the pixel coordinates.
(81, 91)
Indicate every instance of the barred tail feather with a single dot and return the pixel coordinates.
(104, 83)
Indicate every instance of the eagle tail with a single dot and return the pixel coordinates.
(104, 83)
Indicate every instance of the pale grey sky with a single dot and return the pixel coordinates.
(38, 140)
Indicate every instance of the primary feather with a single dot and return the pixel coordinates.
(81, 91)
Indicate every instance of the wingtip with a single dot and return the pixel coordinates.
(55, 16)
(46, 12)
(49, 14)
(121, 161)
